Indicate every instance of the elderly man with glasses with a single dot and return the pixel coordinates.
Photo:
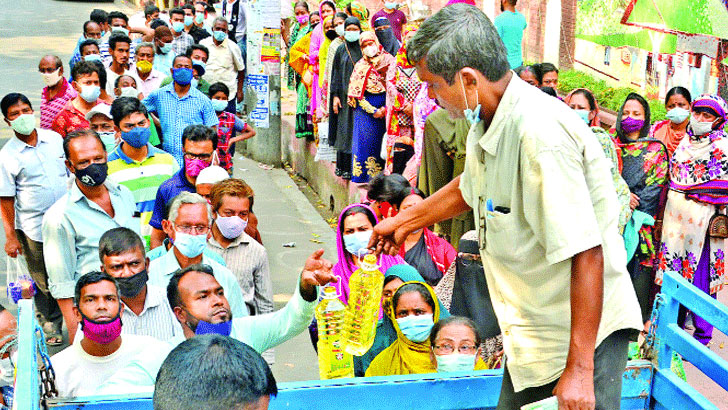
(188, 225)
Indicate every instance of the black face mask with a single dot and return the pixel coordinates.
(132, 285)
(92, 175)
(331, 34)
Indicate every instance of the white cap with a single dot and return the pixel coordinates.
(104, 109)
(212, 175)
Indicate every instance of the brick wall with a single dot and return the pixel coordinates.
(568, 29)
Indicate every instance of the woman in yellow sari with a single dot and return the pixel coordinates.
(414, 312)
(298, 60)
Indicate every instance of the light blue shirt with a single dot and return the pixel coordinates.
(72, 228)
(163, 62)
(35, 176)
(261, 332)
(176, 113)
(162, 269)
(510, 26)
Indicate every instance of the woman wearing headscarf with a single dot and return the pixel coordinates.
(385, 35)
(698, 192)
(415, 310)
(464, 292)
(341, 118)
(394, 277)
(644, 167)
(583, 102)
(672, 130)
(324, 152)
(300, 29)
(403, 85)
(356, 9)
(303, 77)
(326, 8)
(367, 95)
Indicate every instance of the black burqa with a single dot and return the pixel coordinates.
(386, 36)
(341, 125)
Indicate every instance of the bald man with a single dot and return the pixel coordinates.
(57, 91)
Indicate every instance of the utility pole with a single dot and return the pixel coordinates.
(263, 80)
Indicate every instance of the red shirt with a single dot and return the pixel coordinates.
(70, 119)
(49, 108)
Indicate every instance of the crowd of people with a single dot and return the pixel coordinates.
(138, 238)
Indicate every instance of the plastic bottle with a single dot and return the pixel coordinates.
(362, 313)
(334, 362)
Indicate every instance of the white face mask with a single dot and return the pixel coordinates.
(51, 79)
(7, 370)
(340, 29)
(700, 128)
(129, 92)
(370, 51)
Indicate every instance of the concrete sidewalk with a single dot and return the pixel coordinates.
(286, 215)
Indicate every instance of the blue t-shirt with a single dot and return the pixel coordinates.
(510, 26)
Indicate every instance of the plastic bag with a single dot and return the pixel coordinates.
(19, 283)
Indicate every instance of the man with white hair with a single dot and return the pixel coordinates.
(188, 225)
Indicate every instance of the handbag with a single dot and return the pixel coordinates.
(718, 225)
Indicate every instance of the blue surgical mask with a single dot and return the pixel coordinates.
(194, 83)
(90, 93)
(473, 116)
(92, 57)
(178, 26)
(137, 137)
(120, 30)
(182, 75)
(219, 105)
(455, 362)
(390, 5)
(190, 246)
(352, 36)
(584, 115)
(356, 243)
(416, 328)
(189, 20)
(109, 140)
(677, 115)
(200, 63)
(199, 18)
(219, 35)
(223, 329)
(166, 48)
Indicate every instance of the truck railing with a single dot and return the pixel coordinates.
(644, 385)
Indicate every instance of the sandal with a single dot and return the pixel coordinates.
(53, 334)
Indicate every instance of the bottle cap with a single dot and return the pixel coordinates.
(369, 263)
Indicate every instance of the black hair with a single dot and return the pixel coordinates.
(302, 3)
(526, 69)
(544, 68)
(315, 13)
(78, 134)
(645, 106)
(89, 279)
(413, 287)
(390, 278)
(86, 68)
(589, 97)
(341, 15)
(99, 16)
(123, 107)
(117, 15)
(11, 99)
(357, 210)
(157, 23)
(119, 240)
(550, 91)
(118, 80)
(194, 47)
(174, 60)
(173, 285)
(150, 10)
(102, 74)
(86, 43)
(212, 372)
(188, 6)
(393, 188)
(199, 133)
(218, 87)
(176, 10)
(85, 25)
(455, 320)
(117, 38)
(678, 91)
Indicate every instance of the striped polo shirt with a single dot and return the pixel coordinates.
(143, 179)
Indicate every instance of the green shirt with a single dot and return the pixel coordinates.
(510, 26)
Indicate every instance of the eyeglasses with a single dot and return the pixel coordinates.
(203, 157)
(192, 229)
(448, 349)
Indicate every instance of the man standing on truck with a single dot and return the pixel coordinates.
(546, 215)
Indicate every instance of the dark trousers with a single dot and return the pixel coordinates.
(610, 360)
(343, 161)
(44, 302)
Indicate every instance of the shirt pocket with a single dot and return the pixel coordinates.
(508, 240)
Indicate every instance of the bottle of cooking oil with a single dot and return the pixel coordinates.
(334, 362)
(362, 313)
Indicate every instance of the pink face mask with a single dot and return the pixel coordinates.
(302, 19)
(193, 167)
(102, 333)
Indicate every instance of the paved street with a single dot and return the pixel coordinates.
(52, 27)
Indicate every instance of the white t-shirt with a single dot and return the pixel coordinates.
(80, 374)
